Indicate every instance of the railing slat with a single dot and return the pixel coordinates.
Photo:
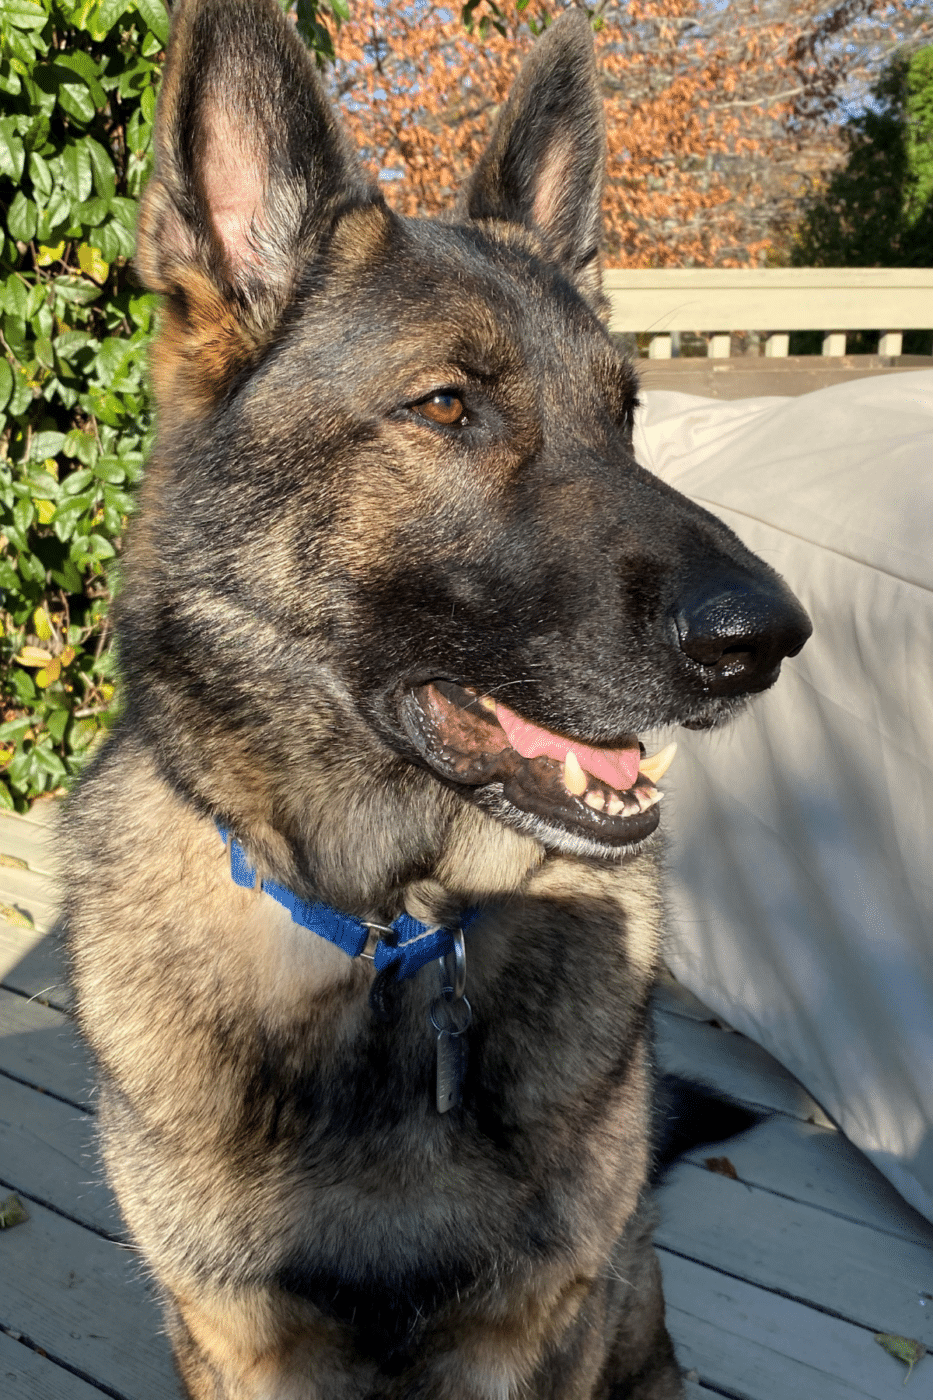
(663, 300)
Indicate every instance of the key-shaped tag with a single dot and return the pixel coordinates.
(451, 1019)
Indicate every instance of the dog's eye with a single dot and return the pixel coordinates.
(446, 409)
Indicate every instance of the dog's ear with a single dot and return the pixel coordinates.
(545, 163)
(251, 168)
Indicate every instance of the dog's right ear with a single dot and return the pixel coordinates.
(251, 169)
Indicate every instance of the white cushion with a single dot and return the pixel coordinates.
(801, 854)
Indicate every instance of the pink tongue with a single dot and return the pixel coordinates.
(616, 767)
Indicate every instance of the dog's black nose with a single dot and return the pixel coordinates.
(739, 629)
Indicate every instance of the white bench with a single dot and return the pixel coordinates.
(717, 301)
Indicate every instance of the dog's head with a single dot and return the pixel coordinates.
(395, 482)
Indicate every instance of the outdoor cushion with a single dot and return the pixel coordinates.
(801, 853)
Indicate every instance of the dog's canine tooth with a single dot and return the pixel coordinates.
(488, 703)
(656, 765)
(574, 776)
(595, 800)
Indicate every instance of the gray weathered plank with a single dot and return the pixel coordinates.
(32, 963)
(47, 1151)
(822, 1168)
(34, 896)
(38, 1044)
(846, 1268)
(82, 1299)
(29, 957)
(25, 1375)
(34, 836)
(732, 1064)
(758, 1346)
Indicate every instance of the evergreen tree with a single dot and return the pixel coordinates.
(877, 210)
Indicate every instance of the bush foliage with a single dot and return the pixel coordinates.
(78, 84)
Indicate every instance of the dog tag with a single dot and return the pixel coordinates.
(451, 1020)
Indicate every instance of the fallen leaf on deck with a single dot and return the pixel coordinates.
(903, 1349)
(16, 916)
(13, 862)
(722, 1166)
(12, 1212)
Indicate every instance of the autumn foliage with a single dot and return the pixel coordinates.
(718, 114)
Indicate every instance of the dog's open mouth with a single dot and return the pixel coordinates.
(608, 794)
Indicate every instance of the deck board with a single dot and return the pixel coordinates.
(82, 1299)
(39, 1046)
(753, 1344)
(49, 1155)
(797, 1250)
(820, 1167)
(775, 1282)
(27, 1375)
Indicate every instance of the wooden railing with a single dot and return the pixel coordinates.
(773, 301)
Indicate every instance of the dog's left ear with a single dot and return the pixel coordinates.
(545, 163)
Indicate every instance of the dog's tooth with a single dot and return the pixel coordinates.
(657, 765)
(647, 799)
(488, 703)
(595, 800)
(616, 805)
(574, 776)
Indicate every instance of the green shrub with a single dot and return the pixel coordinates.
(78, 82)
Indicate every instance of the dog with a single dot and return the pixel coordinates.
(363, 908)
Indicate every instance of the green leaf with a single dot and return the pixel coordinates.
(42, 348)
(22, 393)
(15, 728)
(24, 14)
(40, 175)
(45, 445)
(77, 171)
(111, 471)
(86, 69)
(57, 724)
(69, 343)
(12, 151)
(83, 446)
(109, 11)
(21, 217)
(67, 577)
(76, 482)
(31, 567)
(6, 383)
(147, 105)
(155, 16)
(105, 176)
(23, 513)
(76, 290)
(74, 97)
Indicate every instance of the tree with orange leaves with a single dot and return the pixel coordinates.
(718, 113)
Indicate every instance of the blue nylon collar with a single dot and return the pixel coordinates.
(404, 949)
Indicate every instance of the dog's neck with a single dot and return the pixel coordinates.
(400, 949)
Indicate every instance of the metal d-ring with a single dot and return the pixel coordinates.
(455, 980)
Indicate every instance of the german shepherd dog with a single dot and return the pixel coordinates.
(396, 605)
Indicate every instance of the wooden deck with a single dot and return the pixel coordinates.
(776, 1281)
